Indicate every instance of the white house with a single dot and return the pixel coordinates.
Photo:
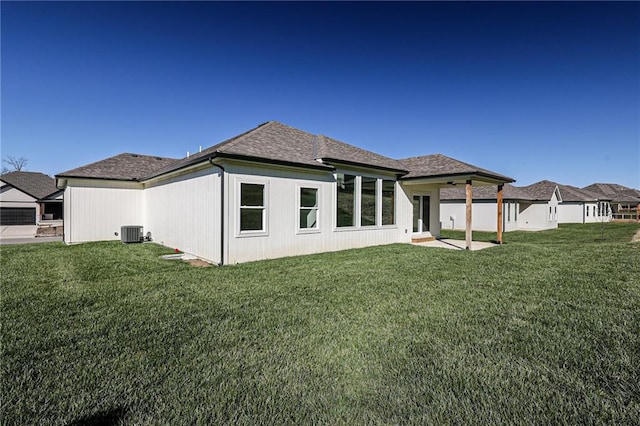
(485, 208)
(582, 206)
(624, 201)
(271, 192)
(28, 199)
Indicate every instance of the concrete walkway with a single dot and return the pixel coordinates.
(448, 243)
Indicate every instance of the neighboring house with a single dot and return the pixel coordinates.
(542, 213)
(271, 192)
(452, 208)
(29, 198)
(582, 206)
(625, 202)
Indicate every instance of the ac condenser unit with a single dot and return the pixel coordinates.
(131, 234)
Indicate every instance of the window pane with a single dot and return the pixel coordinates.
(368, 202)
(346, 200)
(388, 202)
(251, 219)
(308, 218)
(251, 194)
(416, 214)
(308, 197)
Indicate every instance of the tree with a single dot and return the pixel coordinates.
(16, 164)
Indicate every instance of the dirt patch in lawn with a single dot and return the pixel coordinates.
(636, 237)
(198, 263)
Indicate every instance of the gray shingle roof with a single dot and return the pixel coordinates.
(542, 190)
(120, 167)
(333, 150)
(616, 193)
(279, 143)
(274, 142)
(441, 165)
(36, 184)
(509, 192)
(572, 194)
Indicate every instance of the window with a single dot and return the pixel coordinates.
(252, 209)
(308, 208)
(551, 214)
(555, 213)
(388, 202)
(587, 211)
(515, 212)
(508, 212)
(346, 200)
(368, 201)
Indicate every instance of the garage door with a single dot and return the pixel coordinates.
(17, 216)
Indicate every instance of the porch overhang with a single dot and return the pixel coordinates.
(468, 180)
(479, 179)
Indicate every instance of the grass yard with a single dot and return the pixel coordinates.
(544, 329)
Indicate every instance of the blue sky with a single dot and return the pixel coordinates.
(531, 90)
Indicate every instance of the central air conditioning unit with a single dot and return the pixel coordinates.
(131, 234)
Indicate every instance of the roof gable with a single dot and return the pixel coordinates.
(543, 190)
(35, 184)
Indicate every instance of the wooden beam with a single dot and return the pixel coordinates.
(499, 201)
(469, 194)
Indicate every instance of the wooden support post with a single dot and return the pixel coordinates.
(638, 213)
(499, 201)
(469, 195)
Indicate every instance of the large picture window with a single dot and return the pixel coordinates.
(368, 201)
(252, 209)
(388, 202)
(346, 200)
(308, 208)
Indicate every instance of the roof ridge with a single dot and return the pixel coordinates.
(231, 142)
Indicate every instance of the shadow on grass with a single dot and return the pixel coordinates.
(102, 418)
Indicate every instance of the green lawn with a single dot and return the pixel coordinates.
(544, 329)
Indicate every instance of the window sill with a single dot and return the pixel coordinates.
(249, 234)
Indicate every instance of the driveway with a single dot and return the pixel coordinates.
(27, 240)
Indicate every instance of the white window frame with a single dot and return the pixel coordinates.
(317, 228)
(358, 202)
(265, 208)
(395, 203)
(377, 220)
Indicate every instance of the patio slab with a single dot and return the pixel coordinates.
(448, 243)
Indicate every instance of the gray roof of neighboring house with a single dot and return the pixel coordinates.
(509, 192)
(542, 190)
(277, 143)
(616, 193)
(35, 184)
(572, 194)
(441, 165)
